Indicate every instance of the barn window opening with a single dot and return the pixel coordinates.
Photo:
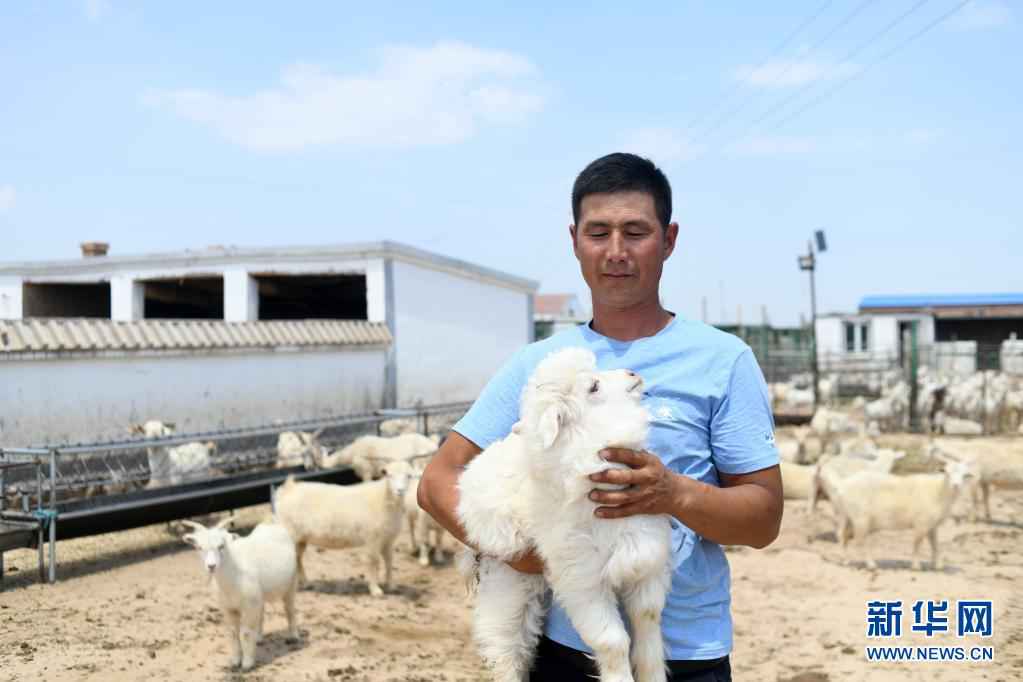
(185, 298)
(66, 300)
(312, 297)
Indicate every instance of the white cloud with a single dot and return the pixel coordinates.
(979, 15)
(96, 9)
(783, 73)
(661, 145)
(774, 145)
(417, 96)
(7, 198)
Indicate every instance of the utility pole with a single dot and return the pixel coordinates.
(809, 262)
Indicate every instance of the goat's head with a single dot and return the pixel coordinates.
(152, 429)
(210, 542)
(399, 474)
(312, 453)
(960, 474)
(567, 390)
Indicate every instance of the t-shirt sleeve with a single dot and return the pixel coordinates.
(742, 426)
(496, 409)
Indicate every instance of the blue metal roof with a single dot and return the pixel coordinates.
(940, 300)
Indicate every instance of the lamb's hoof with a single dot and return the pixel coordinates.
(424, 561)
(236, 662)
(248, 665)
(375, 591)
(292, 639)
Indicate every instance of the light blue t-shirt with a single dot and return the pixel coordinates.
(710, 412)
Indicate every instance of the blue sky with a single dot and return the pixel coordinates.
(165, 126)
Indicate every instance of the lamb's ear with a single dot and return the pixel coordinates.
(550, 424)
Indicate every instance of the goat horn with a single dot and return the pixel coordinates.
(193, 524)
(223, 523)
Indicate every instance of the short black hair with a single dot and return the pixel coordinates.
(622, 172)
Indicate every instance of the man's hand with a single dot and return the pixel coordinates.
(652, 488)
(528, 563)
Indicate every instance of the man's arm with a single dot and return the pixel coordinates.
(746, 510)
(438, 492)
(438, 487)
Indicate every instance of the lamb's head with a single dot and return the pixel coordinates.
(566, 396)
(210, 542)
(398, 473)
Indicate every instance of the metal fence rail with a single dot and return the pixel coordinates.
(82, 489)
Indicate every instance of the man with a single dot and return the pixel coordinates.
(711, 466)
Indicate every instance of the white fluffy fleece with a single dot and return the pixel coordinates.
(530, 491)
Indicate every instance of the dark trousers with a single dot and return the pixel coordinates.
(558, 663)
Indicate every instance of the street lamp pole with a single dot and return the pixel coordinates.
(809, 262)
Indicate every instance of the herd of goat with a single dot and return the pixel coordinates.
(837, 457)
(834, 458)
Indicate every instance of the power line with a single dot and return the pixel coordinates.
(780, 105)
(883, 57)
(777, 50)
(848, 18)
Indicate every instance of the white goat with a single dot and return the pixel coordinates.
(957, 426)
(299, 447)
(869, 501)
(797, 480)
(249, 571)
(531, 490)
(173, 465)
(838, 467)
(368, 455)
(343, 516)
(994, 465)
(425, 534)
(397, 426)
(179, 464)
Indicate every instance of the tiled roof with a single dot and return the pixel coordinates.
(552, 304)
(83, 334)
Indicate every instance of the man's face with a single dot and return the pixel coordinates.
(621, 247)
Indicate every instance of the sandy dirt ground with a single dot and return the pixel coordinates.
(136, 606)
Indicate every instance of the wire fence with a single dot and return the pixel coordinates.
(96, 470)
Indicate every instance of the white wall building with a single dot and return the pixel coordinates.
(228, 337)
(867, 341)
(956, 333)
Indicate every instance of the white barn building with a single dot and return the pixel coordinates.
(229, 337)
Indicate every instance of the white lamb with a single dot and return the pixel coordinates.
(368, 455)
(530, 490)
(869, 501)
(343, 516)
(296, 448)
(249, 571)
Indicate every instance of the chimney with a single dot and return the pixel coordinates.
(93, 249)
